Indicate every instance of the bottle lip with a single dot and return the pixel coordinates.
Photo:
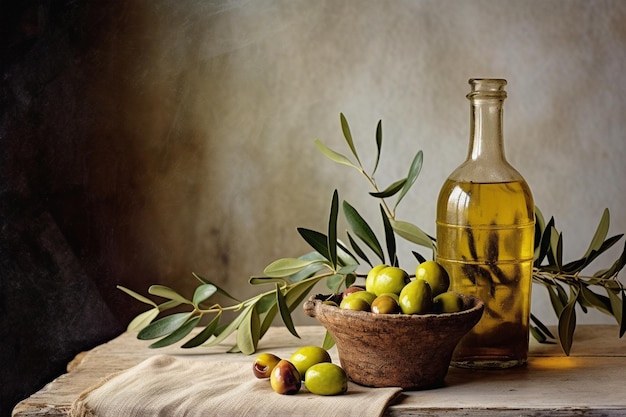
(487, 88)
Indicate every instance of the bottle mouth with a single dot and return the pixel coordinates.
(487, 88)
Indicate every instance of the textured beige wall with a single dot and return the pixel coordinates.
(207, 112)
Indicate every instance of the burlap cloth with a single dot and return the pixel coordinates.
(168, 386)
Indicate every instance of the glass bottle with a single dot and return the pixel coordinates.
(485, 237)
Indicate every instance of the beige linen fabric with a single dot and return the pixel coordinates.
(168, 386)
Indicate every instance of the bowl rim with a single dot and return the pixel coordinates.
(317, 303)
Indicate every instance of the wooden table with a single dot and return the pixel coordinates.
(590, 382)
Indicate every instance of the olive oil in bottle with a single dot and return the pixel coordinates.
(485, 237)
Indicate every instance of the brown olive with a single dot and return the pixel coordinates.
(263, 365)
(285, 378)
(385, 304)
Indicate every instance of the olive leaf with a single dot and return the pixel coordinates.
(248, 332)
(412, 233)
(348, 136)
(390, 238)
(567, 321)
(142, 320)
(414, 170)
(285, 313)
(205, 334)
(358, 250)
(202, 293)
(137, 296)
(329, 341)
(166, 292)
(163, 326)
(332, 231)
(379, 144)
(362, 230)
(391, 190)
(600, 235)
(178, 334)
(285, 267)
(333, 155)
(220, 290)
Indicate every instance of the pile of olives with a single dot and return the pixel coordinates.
(389, 290)
(311, 364)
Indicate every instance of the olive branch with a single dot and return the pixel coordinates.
(290, 280)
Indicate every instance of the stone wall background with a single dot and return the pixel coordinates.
(143, 141)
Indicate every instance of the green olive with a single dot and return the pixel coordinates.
(416, 297)
(371, 276)
(365, 295)
(354, 303)
(436, 276)
(307, 356)
(326, 379)
(448, 302)
(389, 280)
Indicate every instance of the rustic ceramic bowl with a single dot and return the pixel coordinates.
(395, 350)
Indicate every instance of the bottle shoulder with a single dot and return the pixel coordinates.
(478, 172)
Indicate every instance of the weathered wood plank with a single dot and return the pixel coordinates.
(590, 382)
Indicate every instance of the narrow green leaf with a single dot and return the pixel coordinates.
(177, 334)
(390, 238)
(163, 326)
(328, 342)
(555, 300)
(617, 265)
(559, 251)
(622, 326)
(332, 230)
(142, 320)
(541, 326)
(414, 170)
(310, 270)
(202, 293)
(567, 322)
(419, 257)
(205, 334)
(599, 302)
(296, 294)
(362, 230)
(537, 334)
(285, 267)
(391, 190)
(600, 234)
(346, 134)
(137, 296)
(265, 303)
(285, 314)
(264, 280)
(358, 249)
(334, 282)
(168, 305)
(228, 329)
(219, 289)
(334, 156)
(350, 280)
(545, 243)
(248, 332)
(167, 292)
(348, 269)
(555, 238)
(268, 319)
(379, 144)
(412, 233)
(316, 240)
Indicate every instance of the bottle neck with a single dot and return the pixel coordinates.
(486, 127)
